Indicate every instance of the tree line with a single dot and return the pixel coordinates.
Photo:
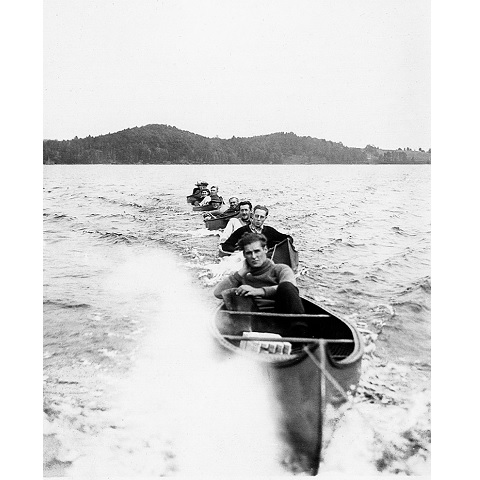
(164, 144)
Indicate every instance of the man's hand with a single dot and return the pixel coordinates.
(249, 291)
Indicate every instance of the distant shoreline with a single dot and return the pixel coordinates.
(167, 145)
(217, 164)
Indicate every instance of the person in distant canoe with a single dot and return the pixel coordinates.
(216, 204)
(207, 199)
(203, 194)
(196, 194)
(223, 210)
(260, 284)
(242, 219)
(233, 205)
(199, 186)
(260, 213)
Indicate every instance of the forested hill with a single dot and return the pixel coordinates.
(163, 144)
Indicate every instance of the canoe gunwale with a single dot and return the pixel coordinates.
(209, 222)
(286, 360)
(202, 208)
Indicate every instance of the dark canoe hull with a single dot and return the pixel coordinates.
(302, 390)
(219, 222)
(283, 252)
(223, 253)
(192, 199)
(204, 208)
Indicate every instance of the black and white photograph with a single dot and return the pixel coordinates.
(236, 238)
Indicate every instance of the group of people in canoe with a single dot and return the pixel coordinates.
(263, 313)
(203, 196)
(260, 284)
(210, 201)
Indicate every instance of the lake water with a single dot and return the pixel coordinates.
(117, 239)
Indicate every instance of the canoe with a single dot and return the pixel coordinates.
(204, 208)
(282, 252)
(321, 349)
(219, 222)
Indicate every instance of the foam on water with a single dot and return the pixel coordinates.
(181, 409)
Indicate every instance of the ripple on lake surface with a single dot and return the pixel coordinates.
(363, 234)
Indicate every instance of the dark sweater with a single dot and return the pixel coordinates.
(268, 276)
(273, 237)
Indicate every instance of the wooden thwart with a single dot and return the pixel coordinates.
(273, 314)
(287, 339)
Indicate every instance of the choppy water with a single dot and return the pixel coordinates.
(363, 234)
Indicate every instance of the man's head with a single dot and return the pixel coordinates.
(214, 190)
(245, 210)
(233, 202)
(254, 248)
(215, 201)
(260, 213)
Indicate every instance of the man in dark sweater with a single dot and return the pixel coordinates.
(260, 213)
(260, 284)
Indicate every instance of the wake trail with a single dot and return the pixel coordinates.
(182, 409)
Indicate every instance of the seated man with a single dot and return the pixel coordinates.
(242, 219)
(260, 284)
(216, 204)
(233, 206)
(260, 214)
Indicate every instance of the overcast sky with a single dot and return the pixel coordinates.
(350, 71)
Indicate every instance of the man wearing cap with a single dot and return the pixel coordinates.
(197, 192)
(216, 203)
(199, 186)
